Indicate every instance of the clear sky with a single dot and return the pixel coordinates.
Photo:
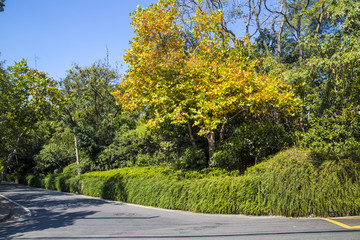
(54, 34)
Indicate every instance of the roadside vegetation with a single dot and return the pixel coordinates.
(295, 182)
(204, 119)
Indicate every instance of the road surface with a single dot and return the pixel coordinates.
(43, 214)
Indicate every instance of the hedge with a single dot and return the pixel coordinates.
(293, 183)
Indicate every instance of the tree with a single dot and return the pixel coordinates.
(206, 85)
(91, 109)
(2, 5)
(27, 96)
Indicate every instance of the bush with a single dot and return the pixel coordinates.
(336, 137)
(74, 184)
(192, 158)
(49, 182)
(294, 182)
(54, 156)
(18, 175)
(33, 181)
(61, 184)
(299, 183)
(71, 170)
(250, 144)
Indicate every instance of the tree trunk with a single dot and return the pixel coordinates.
(191, 135)
(222, 132)
(279, 33)
(258, 24)
(319, 21)
(77, 155)
(248, 18)
(301, 48)
(282, 13)
(212, 143)
(298, 33)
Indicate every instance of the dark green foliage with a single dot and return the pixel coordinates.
(192, 158)
(91, 111)
(29, 146)
(61, 184)
(139, 146)
(33, 181)
(54, 156)
(130, 147)
(2, 5)
(18, 176)
(58, 182)
(49, 182)
(337, 137)
(250, 144)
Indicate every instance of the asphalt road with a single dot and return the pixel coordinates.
(43, 214)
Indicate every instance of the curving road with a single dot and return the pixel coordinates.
(43, 214)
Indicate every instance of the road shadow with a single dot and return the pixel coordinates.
(40, 197)
(42, 220)
(46, 213)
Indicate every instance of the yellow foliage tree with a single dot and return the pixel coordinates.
(205, 83)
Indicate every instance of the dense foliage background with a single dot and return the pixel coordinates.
(198, 94)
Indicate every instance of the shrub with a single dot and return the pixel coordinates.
(54, 156)
(334, 136)
(298, 183)
(49, 182)
(61, 184)
(192, 158)
(71, 170)
(33, 181)
(250, 144)
(74, 184)
(295, 182)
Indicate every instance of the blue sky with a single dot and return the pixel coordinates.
(54, 34)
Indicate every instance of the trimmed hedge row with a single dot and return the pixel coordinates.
(57, 182)
(293, 183)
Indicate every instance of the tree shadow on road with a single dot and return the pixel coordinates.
(42, 220)
(46, 213)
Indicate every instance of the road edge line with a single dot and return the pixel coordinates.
(18, 204)
(341, 224)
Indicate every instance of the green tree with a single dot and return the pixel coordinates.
(332, 83)
(57, 152)
(91, 109)
(27, 97)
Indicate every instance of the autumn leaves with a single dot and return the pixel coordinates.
(202, 78)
